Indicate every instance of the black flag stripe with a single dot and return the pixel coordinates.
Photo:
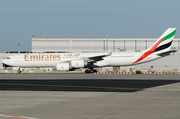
(163, 47)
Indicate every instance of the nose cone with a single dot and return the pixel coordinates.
(5, 63)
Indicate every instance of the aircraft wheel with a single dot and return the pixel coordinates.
(95, 70)
(91, 71)
(19, 71)
(87, 71)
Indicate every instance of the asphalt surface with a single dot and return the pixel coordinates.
(99, 85)
(89, 76)
(89, 96)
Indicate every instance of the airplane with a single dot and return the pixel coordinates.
(72, 61)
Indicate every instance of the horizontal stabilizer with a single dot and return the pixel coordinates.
(166, 53)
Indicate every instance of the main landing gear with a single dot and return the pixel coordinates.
(90, 71)
(18, 71)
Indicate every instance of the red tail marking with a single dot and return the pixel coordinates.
(149, 51)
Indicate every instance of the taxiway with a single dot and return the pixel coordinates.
(88, 96)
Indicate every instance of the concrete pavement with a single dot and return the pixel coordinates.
(152, 102)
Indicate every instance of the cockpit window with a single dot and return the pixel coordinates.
(8, 58)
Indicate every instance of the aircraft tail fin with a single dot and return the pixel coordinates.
(162, 45)
(164, 42)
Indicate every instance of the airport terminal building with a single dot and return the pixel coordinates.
(52, 45)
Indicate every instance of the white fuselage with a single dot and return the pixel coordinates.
(51, 59)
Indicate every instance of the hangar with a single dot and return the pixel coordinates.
(94, 44)
(51, 45)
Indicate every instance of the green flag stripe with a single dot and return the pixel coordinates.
(169, 35)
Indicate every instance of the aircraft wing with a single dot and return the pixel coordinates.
(96, 58)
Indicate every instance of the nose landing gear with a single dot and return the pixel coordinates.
(18, 71)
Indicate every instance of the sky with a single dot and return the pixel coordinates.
(21, 19)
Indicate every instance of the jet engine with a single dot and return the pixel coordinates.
(63, 66)
(78, 63)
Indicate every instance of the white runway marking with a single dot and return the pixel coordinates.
(13, 117)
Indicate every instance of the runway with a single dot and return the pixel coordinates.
(88, 96)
